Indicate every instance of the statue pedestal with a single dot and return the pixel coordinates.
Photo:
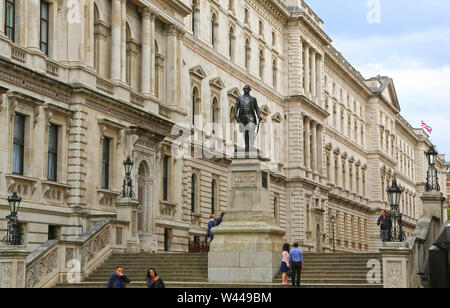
(247, 244)
(127, 210)
(12, 266)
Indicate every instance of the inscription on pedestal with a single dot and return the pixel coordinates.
(247, 179)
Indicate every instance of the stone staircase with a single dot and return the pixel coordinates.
(342, 270)
(185, 270)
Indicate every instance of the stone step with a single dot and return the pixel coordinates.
(180, 285)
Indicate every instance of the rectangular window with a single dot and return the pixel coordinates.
(44, 27)
(105, 163)
(52, 152)
(10, 19)
(19, 144)
(166, 178)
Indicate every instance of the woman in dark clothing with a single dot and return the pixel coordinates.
(153, 281)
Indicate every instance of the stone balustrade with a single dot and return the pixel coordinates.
(58, 261)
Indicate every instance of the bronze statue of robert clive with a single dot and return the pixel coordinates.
(245, 112)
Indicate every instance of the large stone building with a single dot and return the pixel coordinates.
(86, 83)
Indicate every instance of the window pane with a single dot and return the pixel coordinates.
(44, 10)
(44, 37)
(165, 178)
(53, 138)
(9, 14)
(105, 163)
(193, 195)
(52, 152)
(52, 165)
(17, 167)
(19, 129)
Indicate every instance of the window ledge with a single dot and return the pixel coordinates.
(25, 186)
(168, 208)
(107, 197)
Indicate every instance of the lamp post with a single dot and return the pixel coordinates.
(432, 176)
(127, 188)
(394, 195)
(13, 236)
(333, 221)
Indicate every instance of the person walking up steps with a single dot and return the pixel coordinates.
(296, 261)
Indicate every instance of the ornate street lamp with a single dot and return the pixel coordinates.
(127, 188)
(432, 175)
(13, 235)
(394, 194)
(333, 221)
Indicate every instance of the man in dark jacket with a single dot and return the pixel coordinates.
(385, 223)
(118, 279)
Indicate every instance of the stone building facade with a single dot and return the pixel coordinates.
(86, 83)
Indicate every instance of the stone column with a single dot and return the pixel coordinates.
(307, 77)
(33, 29)
(314, 146)
(313, 75)
(319, 80)
(116, 21)
(320, 149)
(123, 41)
(2, 17)
(146, 51)
(171, 84)
(90, 33)
(397, 261)
(307, 141)
(12, 266)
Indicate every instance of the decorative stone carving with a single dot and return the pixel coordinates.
(70, 255)
(6, 269)
(91, 249)
(394, 274)
(119, 236)
(41, 269)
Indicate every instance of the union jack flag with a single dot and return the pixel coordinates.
(427, 127)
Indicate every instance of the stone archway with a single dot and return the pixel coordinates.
(143, 195)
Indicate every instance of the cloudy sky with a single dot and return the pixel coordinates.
(409, 40)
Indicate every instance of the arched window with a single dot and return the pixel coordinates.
(195, 107)
(231, 43)
(247, 54)
(261, 64)
(215, 115)
(274, 73)
(214, 30)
